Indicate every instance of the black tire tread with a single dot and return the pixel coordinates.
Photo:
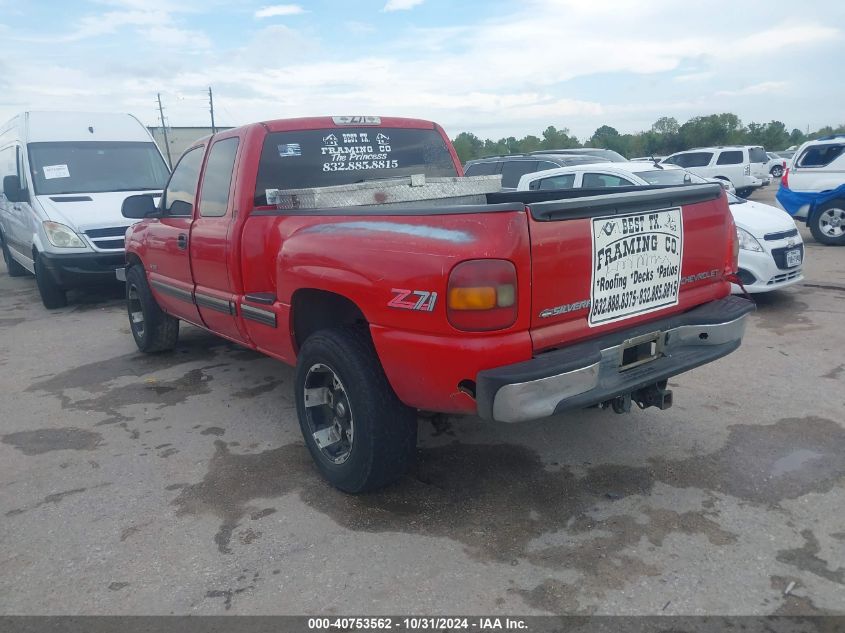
(161, 329)
(392, 440)
(53, 296)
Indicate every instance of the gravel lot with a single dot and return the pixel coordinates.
(179, 483)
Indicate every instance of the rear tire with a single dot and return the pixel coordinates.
(153, 329)
(827, 224)
(358, 432)
(744, 193)
(12, 266)
(53, 296)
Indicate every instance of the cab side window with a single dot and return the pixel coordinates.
(483, 169)
(217, 179)
(513, 170)
(604, 180)
(180, 194)
(693, 159)
(733, 157)
(562, 181)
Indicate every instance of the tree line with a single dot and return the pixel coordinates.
(664, 137)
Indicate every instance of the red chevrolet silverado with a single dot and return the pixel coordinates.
(513, 307)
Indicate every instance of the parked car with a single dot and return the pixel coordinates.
(771, 252)
(744, 166)
(776, 165)
(513, 166)
(628, 174)
(65, 175)
(607, 155)
(813, 188)
(786, 154)
(771, 255)
(496, 308)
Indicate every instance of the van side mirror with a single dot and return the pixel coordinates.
(138, 207)
(12, 189)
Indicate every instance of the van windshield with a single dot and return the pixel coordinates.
(341, 156)
(96, 167)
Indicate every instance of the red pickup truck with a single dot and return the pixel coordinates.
(519, 307)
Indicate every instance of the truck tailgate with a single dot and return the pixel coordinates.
(612, 261)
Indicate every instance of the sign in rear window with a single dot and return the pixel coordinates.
(340, 156)
(636, 264)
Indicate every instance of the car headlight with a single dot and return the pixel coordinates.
(747, 242)
(62, 236)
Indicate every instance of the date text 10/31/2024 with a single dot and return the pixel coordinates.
(418, 623)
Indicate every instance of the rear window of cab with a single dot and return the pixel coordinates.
(340, 156)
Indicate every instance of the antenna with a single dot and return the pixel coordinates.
(211, 108)
(164, 130)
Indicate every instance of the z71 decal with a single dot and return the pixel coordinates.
(421, 300)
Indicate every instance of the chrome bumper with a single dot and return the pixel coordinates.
(600, 376)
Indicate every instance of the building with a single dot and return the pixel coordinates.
(179, 139)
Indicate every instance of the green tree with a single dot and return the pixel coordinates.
(558, 139)
(467, 146)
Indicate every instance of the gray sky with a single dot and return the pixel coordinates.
(490, 67)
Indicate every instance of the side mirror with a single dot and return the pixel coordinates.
(12, 189)
(180, 208)
(138, 207)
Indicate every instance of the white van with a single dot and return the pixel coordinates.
(745, 166)
(64, 178)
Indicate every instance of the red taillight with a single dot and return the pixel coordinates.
(732, 255)
(482, 295)
(784, 180)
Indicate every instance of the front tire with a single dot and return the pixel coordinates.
(827, 224)
(358, 432)
(153, 329)
(777, 171)
(744, 193)
(53, 296)
(12, 266)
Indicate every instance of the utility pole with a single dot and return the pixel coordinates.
(211, 107)
(164, 130)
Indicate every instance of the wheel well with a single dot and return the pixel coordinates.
(133, 260)
(315, 310)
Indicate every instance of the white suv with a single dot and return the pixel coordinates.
(743, 165)
(812, 188)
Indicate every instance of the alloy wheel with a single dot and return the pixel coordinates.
(328, 413)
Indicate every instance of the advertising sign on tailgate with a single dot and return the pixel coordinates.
(636, 264)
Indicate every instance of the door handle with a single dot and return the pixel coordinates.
(182, 241)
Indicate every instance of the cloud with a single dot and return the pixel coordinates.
(401, 5)
(764, 87)
(276, 10)
(508, 71)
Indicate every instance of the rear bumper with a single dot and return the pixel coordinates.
(82, 269)
(588, 373)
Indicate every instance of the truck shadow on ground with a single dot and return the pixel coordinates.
(458, 491)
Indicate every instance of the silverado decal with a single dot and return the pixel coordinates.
(421, 300)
